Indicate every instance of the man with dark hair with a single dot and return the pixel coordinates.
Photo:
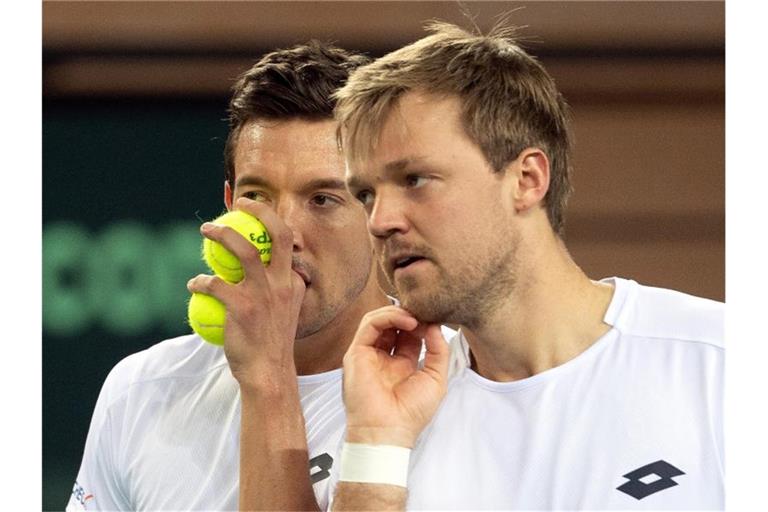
(171, 422)
(577, 394)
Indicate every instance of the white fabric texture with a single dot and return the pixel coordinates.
(646, 396)
(165, 432)
(645, 400)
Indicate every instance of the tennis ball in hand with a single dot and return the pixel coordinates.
(206, 317)
(223, 262)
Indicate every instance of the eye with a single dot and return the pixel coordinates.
(255, 195)
(324, 200)
(415, 181)
(365, 197)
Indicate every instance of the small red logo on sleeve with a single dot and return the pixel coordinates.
(79, 494)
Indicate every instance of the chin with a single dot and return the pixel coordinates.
(426, 309)
(312, 319)
(308, 321)
(304, 330)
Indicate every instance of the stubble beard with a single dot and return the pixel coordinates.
(327, 310)
(466, 296)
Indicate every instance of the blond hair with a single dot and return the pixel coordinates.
(509, 101)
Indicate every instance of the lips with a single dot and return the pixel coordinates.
(400, 254)
(303, 274)
(402, 261)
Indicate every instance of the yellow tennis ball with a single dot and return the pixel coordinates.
(207, 316)
(223, 262)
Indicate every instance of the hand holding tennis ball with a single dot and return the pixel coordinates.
(224, 263)
(207, 314)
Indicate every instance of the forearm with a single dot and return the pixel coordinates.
(389, 398)
(364, 496)
(274, 463)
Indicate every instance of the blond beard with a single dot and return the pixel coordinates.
(467, 298)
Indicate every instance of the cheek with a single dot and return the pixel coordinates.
(448, 216)
(354, 247)
(461, 234)
(341, 241)
(487, 213)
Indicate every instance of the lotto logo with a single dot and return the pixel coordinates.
(320, 467)
(650, 479)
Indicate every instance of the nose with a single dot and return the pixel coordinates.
(387, 217)
(291, 214)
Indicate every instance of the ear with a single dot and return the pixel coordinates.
(227, 195)
(532, 178)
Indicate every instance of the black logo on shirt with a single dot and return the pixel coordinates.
(323, 463)
(640, 486)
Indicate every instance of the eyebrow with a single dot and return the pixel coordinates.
(324, 183)
(354, 182)
(252, 180)
(399, 165)
(319, 183)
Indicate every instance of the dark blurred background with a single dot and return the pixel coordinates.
(134, 104)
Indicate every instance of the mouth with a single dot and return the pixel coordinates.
(404, 261)
(303, 274)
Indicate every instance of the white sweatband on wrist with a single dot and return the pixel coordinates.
(374, 464)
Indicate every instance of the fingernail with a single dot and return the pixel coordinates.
(206, 226)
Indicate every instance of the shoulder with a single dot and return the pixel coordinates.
(659, 313)
(182, 358)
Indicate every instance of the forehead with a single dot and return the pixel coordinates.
(419, 126)
(417, 116)
(288, 151)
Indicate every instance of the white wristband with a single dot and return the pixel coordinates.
(374, 464)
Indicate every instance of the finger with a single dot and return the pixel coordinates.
(409, 342)
(377, 321)
(386, 340)
(237, 244)
(437, 357)
(391, 339)
(210, 285)
(279, 232)
(300, 288)
(408, 346)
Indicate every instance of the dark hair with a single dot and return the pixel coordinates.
(291, 83)
(509, 101)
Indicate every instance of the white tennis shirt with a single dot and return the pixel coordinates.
(165, 432)
(635, 422)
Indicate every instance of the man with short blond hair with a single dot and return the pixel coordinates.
(578, 394)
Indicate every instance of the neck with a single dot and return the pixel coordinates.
(554, 313)
(324, 350)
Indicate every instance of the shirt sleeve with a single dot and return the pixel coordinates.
(98, 485)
